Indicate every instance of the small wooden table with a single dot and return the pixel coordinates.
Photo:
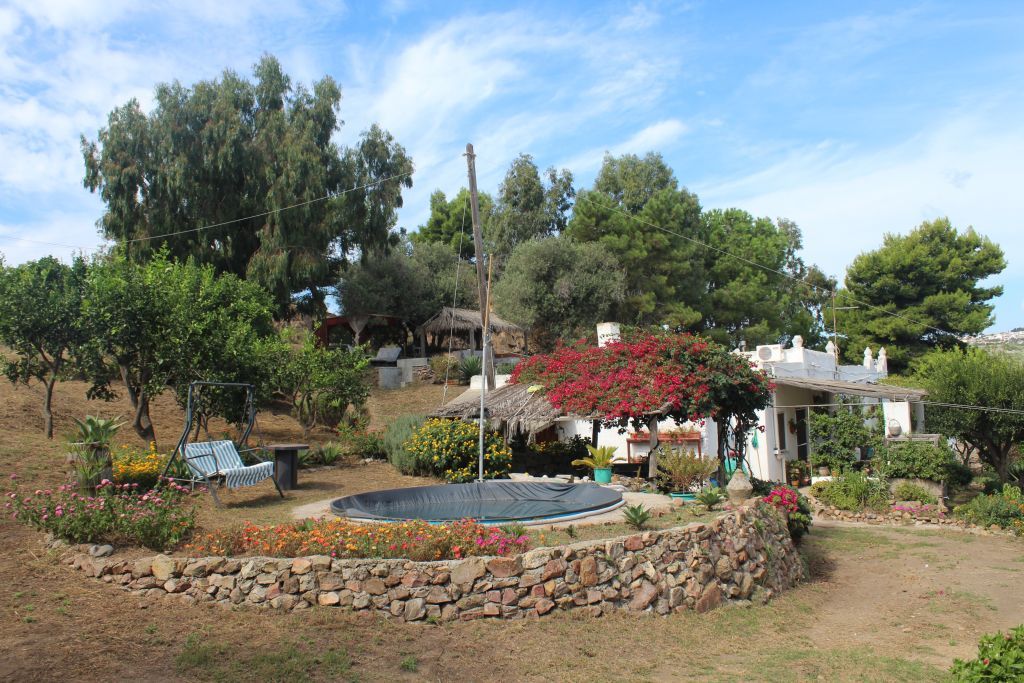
(286, 463)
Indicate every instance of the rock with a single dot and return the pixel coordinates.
(468, 571)
(331, 582)
(162, 567)
(536, 558)
(301, 565)
(503, 567)
(554, 569)
(723, 568)
(633, 543)
(492, 610)
(588, 571)
(328, 599)
(374, 586)
(643, 597)
(544, 606)
(415, 609)
(710, 598)
(101, 550)
(361, 601)
(438, 595)
(143, 567)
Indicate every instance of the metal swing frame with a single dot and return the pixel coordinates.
(194, 391)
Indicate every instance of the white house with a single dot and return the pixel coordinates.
(803, 379)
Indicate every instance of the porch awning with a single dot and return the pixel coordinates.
(838, 386)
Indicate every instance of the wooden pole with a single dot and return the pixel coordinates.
(652, 458)
(478, 245)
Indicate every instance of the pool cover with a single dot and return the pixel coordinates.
(490, 501)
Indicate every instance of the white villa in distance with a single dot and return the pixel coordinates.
(803, 379)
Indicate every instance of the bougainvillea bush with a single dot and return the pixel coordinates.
(450, 449)
(155, 518)
(416, 540)
(796, 507)
(624, 382)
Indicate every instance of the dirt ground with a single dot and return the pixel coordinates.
(882, 604)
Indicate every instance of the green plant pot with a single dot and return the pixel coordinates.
(603, 475)
(687, 497)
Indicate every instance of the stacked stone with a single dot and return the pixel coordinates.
(746, 555)
(902, 518)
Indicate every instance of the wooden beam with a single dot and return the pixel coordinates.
(652, 458)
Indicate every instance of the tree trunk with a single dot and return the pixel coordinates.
(48, 405)
(142, 424)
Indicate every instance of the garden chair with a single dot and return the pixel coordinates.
(220, 462)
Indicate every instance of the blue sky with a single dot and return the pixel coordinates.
(852, 119)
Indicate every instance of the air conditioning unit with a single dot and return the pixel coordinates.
(770, 352)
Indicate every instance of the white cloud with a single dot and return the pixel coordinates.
(655, 137)
(845, 199)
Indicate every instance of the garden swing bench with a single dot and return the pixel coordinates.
(220, 462)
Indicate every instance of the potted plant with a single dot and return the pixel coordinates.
(680, 471)
(600, 461)
(91, 447)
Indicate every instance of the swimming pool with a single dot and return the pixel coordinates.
(489, 502)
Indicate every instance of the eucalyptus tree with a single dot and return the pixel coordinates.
(245, 175)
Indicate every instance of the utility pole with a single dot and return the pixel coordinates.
(478, 245)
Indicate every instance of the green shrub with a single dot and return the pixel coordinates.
(470, 367)
(907, 491)
(853, 491)
(329, 453)
(395, 437)
(1000, 658)
(449, 449)
(836, 438)
(1003, 509)
(918, 460)
(504, 368)
(444, 367)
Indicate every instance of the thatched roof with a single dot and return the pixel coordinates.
(520, 411)
(463, 320)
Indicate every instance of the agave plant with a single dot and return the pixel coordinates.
(710, 497)
(92, 449)
(469, 367)
(637, 516)
(600, 457)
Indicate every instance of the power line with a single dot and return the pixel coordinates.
(327, 196)
(586, 197)
(330, 195)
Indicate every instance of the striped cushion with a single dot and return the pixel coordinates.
(220, 458)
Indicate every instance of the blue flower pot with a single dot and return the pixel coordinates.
(603, 475)
(685, 497)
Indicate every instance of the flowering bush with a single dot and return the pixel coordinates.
(1000, 658)
(416, 540)
(629, 379)
(796, 507)
(132, 466)
(156, 518)
(1004, 509)
(450, 449)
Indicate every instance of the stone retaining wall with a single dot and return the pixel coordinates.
(746, 555)
(903, 518)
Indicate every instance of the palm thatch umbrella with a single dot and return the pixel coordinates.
(463, 320)
(514, 406)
